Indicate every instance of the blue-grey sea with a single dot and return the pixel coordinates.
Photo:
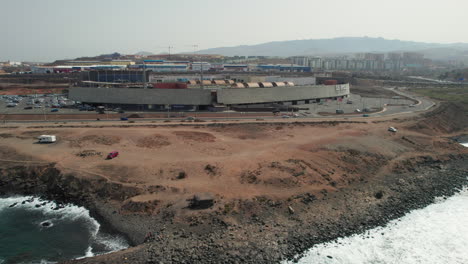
(31, 231)
(436, 234)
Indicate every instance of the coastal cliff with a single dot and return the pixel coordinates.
(283, 203)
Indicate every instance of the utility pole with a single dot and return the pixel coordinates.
(195, 46)
(144, 75)
(201, 74)
(43, 112)
(201, 67)
(169, 48)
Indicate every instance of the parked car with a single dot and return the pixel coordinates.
(123, 119)
(100, 109)
(54, 110)
(392, 129)
(285, 116)
(358, 110)
(365, 115)
(112, 154)
(190, 118)
(412, 105)
(28, 107)
(349, 102)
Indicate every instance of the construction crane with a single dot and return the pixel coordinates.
(168, 49)
(195, 47)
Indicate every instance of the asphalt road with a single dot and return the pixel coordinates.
(386, 106)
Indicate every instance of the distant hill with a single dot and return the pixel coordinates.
(144, 53)
(335, 46)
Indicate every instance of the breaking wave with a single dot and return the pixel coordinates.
(435, 234)
(40, 231)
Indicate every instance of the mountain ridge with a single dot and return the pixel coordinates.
(341, 45)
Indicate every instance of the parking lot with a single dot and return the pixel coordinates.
(36, 104)
(358, 104)
(57, 107)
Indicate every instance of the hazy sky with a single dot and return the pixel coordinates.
(45, 30)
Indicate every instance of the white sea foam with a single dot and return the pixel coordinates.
(89, 252)
(113, 243)
(69, 212)
(465, 144)
(435, 234)
(42, 261)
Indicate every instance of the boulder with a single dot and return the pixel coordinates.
(201, 201)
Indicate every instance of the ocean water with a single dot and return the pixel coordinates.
(31, 234)
(436, 234)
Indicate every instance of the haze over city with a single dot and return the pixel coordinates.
(248, 131)
(48, 30)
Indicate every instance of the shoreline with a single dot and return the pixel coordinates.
(408, 195)
(268, 192)
(359, 208)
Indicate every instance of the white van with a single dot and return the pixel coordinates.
(47, 139)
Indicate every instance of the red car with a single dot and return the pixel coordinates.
(112, 155)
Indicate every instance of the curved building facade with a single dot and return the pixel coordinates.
(206, 97)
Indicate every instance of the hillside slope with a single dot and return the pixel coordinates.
(334, 46)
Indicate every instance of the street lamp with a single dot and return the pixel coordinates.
(144, 75)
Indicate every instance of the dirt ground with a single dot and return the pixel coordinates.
(230, 161)
(113, 116)
(278, 187)
(25, 89)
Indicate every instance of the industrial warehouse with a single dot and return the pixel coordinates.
(214, 93)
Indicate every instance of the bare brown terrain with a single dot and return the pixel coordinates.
(261, 179)
(36, 88)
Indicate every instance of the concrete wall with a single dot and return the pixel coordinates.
(226, 96)
(295, 80)
(141, 96)
(278, 94)
(154, 77)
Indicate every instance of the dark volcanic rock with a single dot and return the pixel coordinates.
(251, 231)
(379, 195)
(201, 201)
(46, 224)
